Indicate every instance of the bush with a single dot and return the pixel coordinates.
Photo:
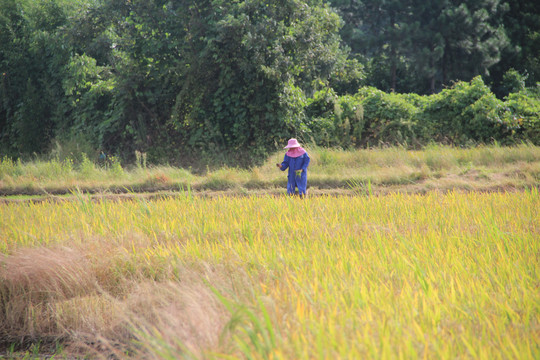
(320, 117)
(388, 119)
(464, 114)
(335, 120)
(524, 110)
(513, 82)
(349, 119)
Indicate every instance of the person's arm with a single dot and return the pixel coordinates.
(285, 164)
(306, 162)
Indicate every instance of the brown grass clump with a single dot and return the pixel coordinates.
(160, 178)
(33, 283)
(173, 317)
(58, 294)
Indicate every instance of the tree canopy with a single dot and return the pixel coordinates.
(182, 79)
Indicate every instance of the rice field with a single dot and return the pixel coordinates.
(400, 276)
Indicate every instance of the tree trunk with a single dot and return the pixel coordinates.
(393, 69)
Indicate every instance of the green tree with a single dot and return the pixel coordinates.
(522, 25)
(31, 63)
(246, 60)
(189, 75)
(378, 31)
(422, 46)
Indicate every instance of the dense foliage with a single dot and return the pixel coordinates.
(466, 114)
(220, 80)
(422, 46)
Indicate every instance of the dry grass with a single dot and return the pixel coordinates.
(59, 294)
(330, 169)
(34, 282)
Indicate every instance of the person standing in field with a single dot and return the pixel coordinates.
(297, 161)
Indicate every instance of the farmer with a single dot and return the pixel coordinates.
(297, 160)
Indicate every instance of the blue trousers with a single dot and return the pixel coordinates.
(299, 182)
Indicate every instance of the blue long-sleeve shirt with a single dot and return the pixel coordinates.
(293, 164)
(297, 163)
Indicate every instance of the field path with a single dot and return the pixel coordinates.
(158, 194)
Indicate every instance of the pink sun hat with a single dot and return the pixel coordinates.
(293, 143)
